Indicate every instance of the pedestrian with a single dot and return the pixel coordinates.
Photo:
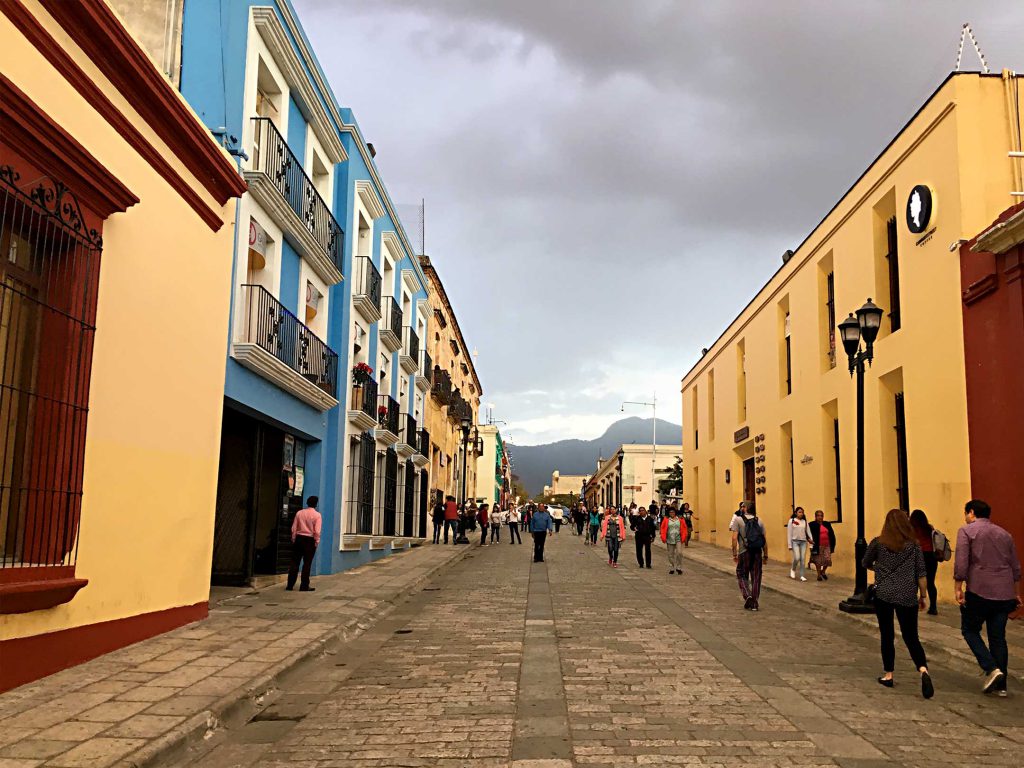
(673, 533)
(823, 544)
(541, 526)
(437, 516)
(645, 528)
(305, 539)
(632, 514)
(579, 517)
(613, 531)
(899, 590)
(483, 517)
(496, 519)
(513, 526)
(986, 575)
(923, 531)
(687, 515)
(749, 552)
(451, 519)
(556, 516)
(594, 525)
(798, 537)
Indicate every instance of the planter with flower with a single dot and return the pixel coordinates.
(382, 413)
(361, 374)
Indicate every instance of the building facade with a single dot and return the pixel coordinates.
(493, 478)
(454, 396)
(116, 224)
(769, 412)
(565, 484)
(626, 477)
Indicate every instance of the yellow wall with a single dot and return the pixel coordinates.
(157, 388)
(957, 145)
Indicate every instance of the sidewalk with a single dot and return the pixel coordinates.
(939, 634)
(139, 703)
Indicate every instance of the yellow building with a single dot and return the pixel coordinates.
(115, 281)
(454, 395)
(626, 477)
(769, 410)
(565, 484)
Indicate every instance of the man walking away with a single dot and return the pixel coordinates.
(645, 530)
(673, 533)
(541, 526)
(749, 552)
(437, 516)
(305, 540)
(986, 561)
(451, 519)
(513, 526)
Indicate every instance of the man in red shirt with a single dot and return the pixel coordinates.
(451, 518)
(305, 540)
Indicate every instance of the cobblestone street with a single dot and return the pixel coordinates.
(501, 662)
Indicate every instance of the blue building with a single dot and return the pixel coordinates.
(324, 280)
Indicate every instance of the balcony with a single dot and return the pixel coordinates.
(458, 408)
(424, 375)
(366, 285)
(277, 346)
(387, 420)
(422, 456)
(409, 359)
(278, 182)
(441, 385)
(391, 324)
(362, 408)
(407, 436)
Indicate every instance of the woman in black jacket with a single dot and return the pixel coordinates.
(823, 544)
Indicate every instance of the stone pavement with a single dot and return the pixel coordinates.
(500, 662)
(142, 702)
(939, 634)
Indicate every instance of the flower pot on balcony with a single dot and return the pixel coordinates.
(357, 397)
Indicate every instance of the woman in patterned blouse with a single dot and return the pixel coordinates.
(900, 590)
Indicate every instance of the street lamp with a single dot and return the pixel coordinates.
(852, 331)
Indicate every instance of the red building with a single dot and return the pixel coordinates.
(992, 282)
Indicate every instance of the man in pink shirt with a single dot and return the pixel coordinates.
(305, 540)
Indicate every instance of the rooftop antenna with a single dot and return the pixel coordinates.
(966, 32)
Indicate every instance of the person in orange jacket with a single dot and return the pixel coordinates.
(613, 531)
(673, 533)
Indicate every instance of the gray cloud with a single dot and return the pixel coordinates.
(608, 183)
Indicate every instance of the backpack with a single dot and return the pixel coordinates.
(753, 536)
(940, 546)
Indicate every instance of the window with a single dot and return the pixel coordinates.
(830, 313)
(903, 487)
(789, 359)
(48, 278)
(892, 257)
(711, 405)
(838, 464)
(741, 381)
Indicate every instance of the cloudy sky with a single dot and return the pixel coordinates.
(608, 182)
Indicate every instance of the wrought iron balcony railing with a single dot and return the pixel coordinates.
(408, 427)
(441, 388)
(423, 443)
(426, 366)
(366, 400)
(391, 317)
(387, 413)
(272, 156)
(410, 343)
(277, 331)
(366, 280)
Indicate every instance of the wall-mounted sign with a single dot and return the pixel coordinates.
(741, 434)
(920, 203)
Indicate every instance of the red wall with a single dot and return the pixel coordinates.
(993, 310)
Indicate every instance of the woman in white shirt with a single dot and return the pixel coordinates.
(798, 538)
(513, 526)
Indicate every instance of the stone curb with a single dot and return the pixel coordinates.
(241, 703)
(962, 657)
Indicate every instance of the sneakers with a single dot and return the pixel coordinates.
(615, 565)
(992, 680)
(748, 604)
(1001, 693)
(792, 573)
(803, 578)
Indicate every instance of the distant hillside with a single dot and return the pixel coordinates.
(535, 463)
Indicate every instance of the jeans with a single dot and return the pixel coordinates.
(483, 534)
(931, 565)
(558, 525)
(643, 552)
(539, 538)
(303, 550)
(513, 533)
(454, 525)
(977, 611)
(613, 550)
(799, 558)
(907, 616)
(438, 525)
(495, 532)
(675, 557)
(748, 574)
(593, 533)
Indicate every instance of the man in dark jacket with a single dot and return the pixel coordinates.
(541, 526)
(645, 529)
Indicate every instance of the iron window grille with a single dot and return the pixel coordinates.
(903, 487)
(830, 309)
(892, 256)
(410, 498)
(366, 279)
(387, 413)
(389, 491)
(839, 483)
(361, 472)
(48, 274)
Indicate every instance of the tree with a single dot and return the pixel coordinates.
(518, 489)
(673, 481)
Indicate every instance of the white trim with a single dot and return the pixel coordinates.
(361, 420)
(380, 542)
(405, 450)
(385, 436)
(370, 199)
(258, 360)
(409, 278)
(391, 340)
(408, 364)
(1000, 237)
(276, 39)
(390, 241)
(422, 383)
(366, 308)
(353, 542)
(420, 460)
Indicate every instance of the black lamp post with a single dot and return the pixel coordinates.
(852, 330)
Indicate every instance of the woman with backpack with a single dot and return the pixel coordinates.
(924, 531)
(899, 591)
(823, 544)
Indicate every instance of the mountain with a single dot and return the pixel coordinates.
(535, 463)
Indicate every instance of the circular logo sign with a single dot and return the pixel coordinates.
(919, 209)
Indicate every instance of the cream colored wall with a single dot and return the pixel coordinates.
(157, 388)
(957, 145)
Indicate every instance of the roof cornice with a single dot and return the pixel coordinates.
(370, 199)
(435, 278)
